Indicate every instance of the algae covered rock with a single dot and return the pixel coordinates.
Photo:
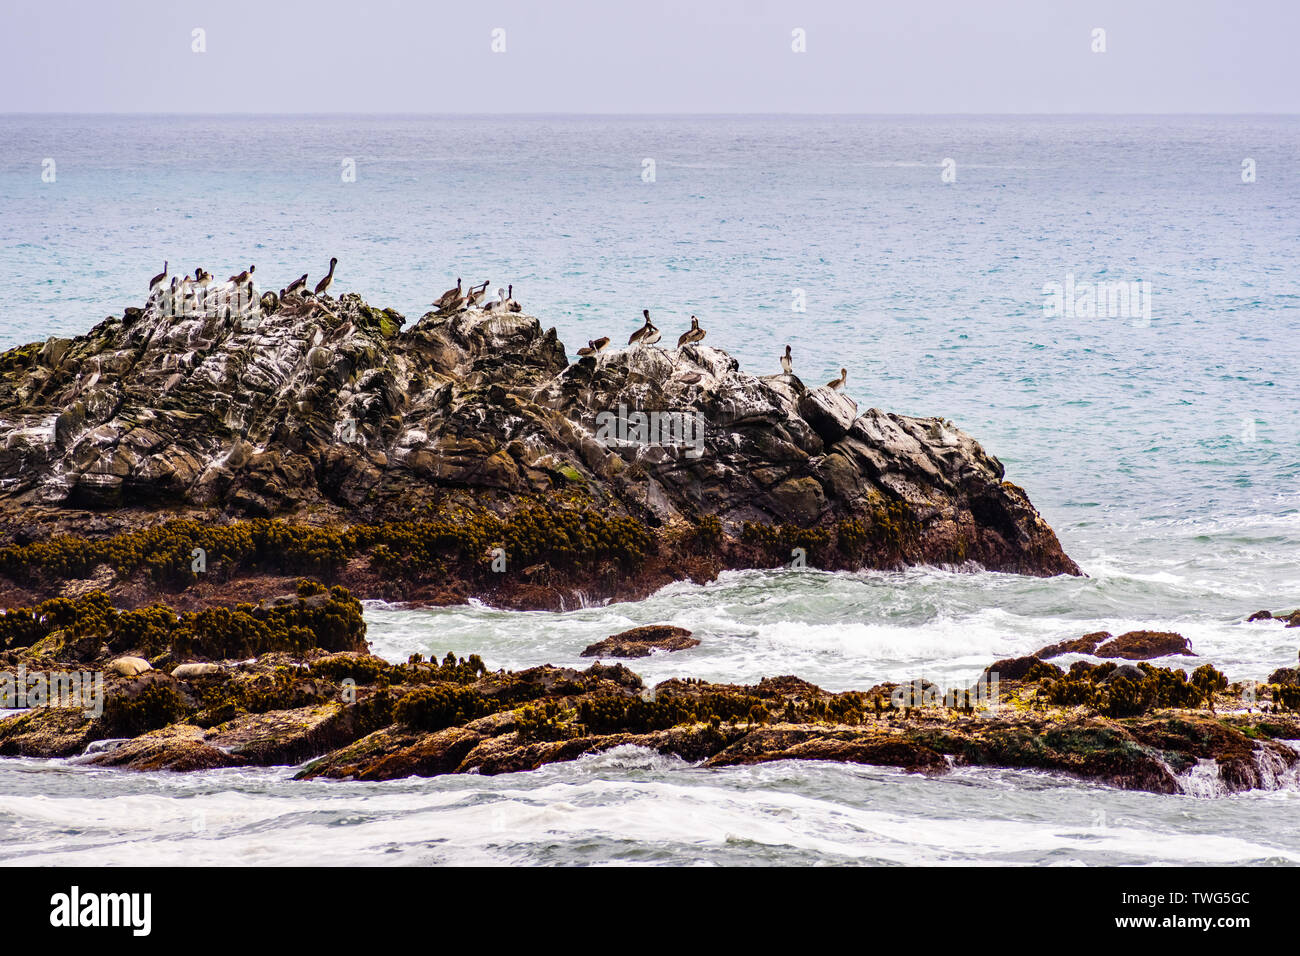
(1145, 645)
(641, 641)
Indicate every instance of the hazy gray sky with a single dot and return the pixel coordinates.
(909, 56)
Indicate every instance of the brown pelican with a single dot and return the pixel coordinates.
(476, 295)
(785, 361)
(838, 383)
(445, 300)
(511, 304)
(693, 334)
(160, 277)
(296, 285)
(242, 277)
(595, 346)
(323, 286)
(647, 334)
(499, 304)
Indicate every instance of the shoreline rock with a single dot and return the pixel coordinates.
(312, 697)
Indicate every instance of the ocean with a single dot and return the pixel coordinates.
(1159, 438)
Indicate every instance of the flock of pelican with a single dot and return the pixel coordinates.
(459, 300)
(456, 299)
(649, 334)
(199, 284)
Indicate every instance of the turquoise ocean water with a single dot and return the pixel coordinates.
(1165, 451)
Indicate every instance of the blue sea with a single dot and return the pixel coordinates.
(1163, 446)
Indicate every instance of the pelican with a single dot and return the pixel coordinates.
(444, 301)
(242, 277)
(296, 285)
(838, 383)
(594, 346)
(323, 286)
(647, 334)
(785, 361)
(511, 304)
(159, 278)
(693, 334)
(476, 295)
(499, 304)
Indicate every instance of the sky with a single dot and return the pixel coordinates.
(672, 56)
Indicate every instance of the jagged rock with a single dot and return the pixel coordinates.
(1145, 645)
(1080, 645)
(331, 408)
(640, 641)
(829, 412)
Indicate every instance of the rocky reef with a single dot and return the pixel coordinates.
(290, 682)
(463, 433)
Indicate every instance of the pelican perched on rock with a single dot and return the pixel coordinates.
(595, 346)
(693, 334)
(498, 304)
(785, 361)
(297, 285)
(838, 383)
(476, 295)
(242, 277)
(647, 334)
(159, 278)
(444, 301)
(323, 286)
(511, 304)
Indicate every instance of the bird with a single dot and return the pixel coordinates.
(785, 361)
(693, 334)
(158, 278)
(647, 334)
(594, 346)
(323, 286)
(444, 301)
(476, 295)
(295, 285)
(511, 304)
(242, 277)
(498, 304)
(838, 383)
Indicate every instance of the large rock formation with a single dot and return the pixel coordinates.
(328, 411)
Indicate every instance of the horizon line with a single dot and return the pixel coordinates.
(693, 114)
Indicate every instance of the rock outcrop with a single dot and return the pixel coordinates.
(642, 641)
(290, 683)
(330, 411)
